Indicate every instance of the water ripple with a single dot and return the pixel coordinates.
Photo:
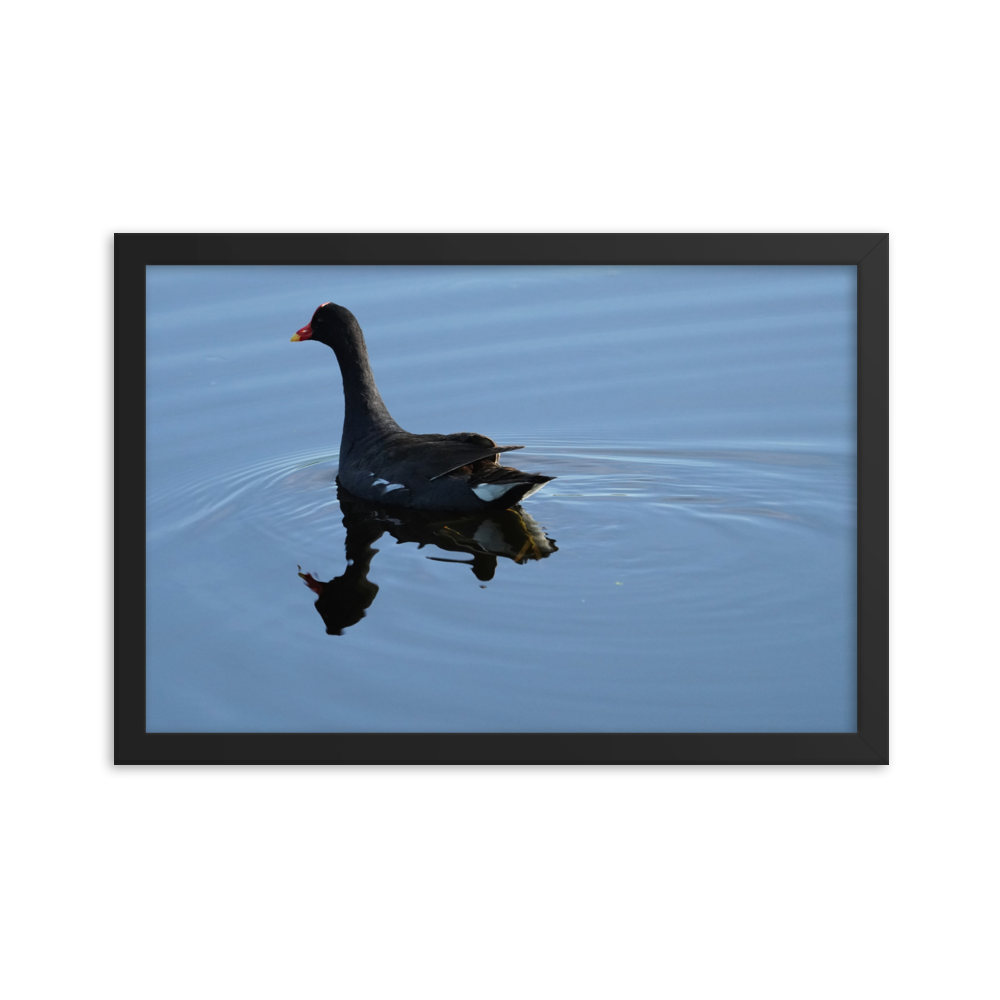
(285, 495)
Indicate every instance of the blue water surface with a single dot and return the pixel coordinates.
(691, 569)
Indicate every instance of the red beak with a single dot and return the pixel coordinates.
(304, 334)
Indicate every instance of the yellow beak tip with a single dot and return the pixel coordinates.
(295, 339)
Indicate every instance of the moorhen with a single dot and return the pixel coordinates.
(382, 463)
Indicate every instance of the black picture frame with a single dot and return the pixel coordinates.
(869, 745)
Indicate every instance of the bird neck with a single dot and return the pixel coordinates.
(363, 407)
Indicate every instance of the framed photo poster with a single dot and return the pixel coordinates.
(580, 498)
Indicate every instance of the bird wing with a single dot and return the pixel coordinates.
(435, 455)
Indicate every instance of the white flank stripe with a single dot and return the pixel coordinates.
(379, 482)
(395, 486)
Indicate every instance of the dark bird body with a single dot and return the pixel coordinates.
(382, 463)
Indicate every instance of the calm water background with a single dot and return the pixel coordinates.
(700, 421)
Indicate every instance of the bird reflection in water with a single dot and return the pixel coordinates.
(485, 536)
